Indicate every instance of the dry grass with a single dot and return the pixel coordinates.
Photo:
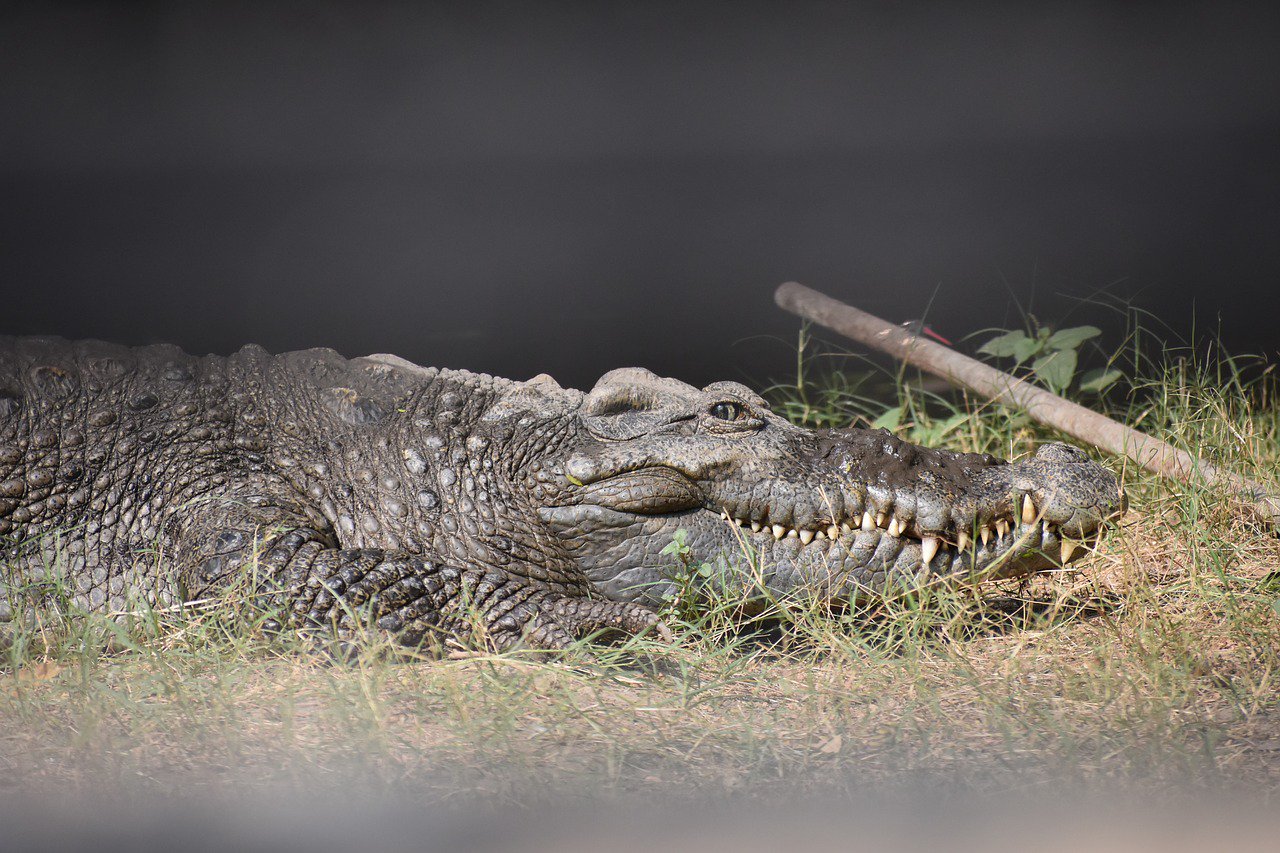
(1154, 662)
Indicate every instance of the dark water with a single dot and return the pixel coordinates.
(520, 188)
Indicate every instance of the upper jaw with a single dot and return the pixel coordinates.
(967, 499)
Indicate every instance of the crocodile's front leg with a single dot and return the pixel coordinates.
(325, 591)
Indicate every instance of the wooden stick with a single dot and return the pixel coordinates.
(1045, 407)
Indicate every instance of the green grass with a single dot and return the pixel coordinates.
(1154, 661)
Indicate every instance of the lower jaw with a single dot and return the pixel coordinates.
(866, 564)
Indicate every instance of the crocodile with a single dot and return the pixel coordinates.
(439, 506)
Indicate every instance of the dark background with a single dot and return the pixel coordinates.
(528, 187)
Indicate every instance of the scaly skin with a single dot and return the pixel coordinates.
(450, 504)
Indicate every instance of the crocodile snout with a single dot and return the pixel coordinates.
(1061, 486)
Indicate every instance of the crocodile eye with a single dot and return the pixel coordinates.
(727, 410)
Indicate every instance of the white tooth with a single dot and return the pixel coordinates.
(833, 532)
(1028, 509)
(1068, 551)
(894, 528)
(1002, 527)
(821, 534)
(868, 523)
(985, 533)
(845, 527)
(929, 548)
(880, 519)
(779, 531)
(806, 536)
(755, 527)
(962, 541)
(791, 534)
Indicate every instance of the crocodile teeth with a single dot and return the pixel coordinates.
(985, 533)
(791, 534)
(880, 517)
(929, 548)
(1028, 509)
(820, 535)
(1068, 551)
(1002, 528)
(779, 531)
(894, 528)
(833, 532)
(962, 541)
(755, 527)
(845, 527)
(868, 523)
(806, 536)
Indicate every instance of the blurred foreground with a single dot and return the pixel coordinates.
(1021, 822)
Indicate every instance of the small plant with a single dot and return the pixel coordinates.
(679, 549)
(685, 574)
(1054, 356)
(691, 578)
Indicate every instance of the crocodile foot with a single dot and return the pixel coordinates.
(560, 622)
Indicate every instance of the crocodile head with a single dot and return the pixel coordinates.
(844, 513)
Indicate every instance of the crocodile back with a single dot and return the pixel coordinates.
(102, 446)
